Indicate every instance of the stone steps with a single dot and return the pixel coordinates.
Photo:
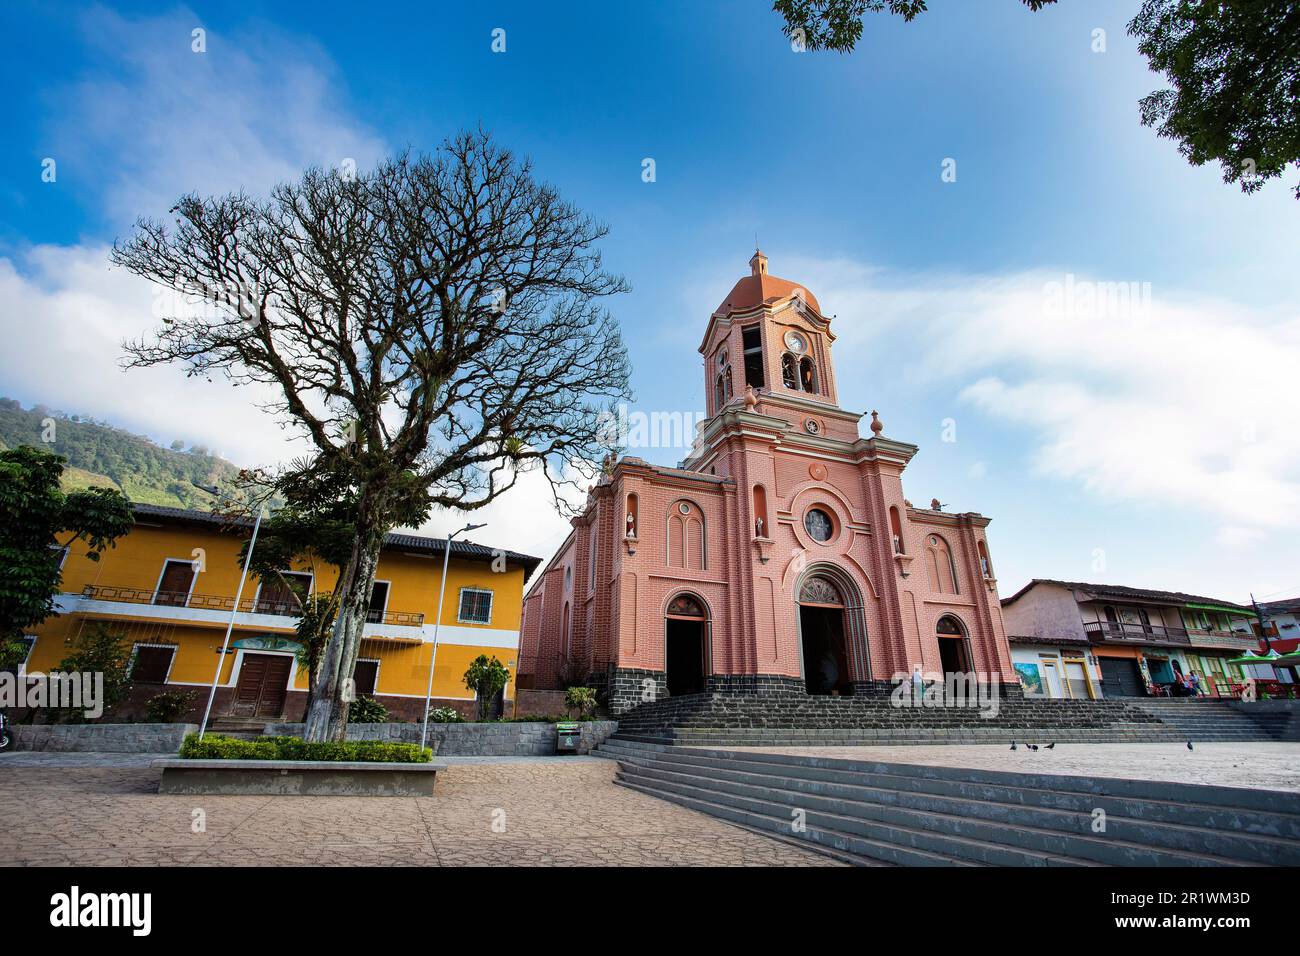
(780, 718)
(929, 816)
(1214, 720)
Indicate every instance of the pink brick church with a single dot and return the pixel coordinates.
(781, 556)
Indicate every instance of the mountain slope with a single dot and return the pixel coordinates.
(102, 456)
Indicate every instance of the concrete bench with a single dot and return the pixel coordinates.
(308, 778)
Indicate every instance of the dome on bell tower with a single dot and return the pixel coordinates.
(762, 288)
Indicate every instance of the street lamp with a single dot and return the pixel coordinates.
(437, 622)
(234, 609)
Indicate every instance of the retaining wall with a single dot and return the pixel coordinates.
(102, 738)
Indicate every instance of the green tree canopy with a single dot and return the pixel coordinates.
(837, 24)
(1234, 70)
(486, 677)
(34, 513)
(1233, 67)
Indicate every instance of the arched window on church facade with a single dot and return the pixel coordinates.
(686, 537)
(896, 530)
(752, 339)
(633, 507)
(943, 572)
(789, 371)
(722, 391)
(808, 375)
(566, 634)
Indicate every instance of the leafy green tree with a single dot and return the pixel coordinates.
(1233, 68)
(837, 24)
(486, 677)
(99, 649)
(35, 518)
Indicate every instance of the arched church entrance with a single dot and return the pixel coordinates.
(686, 637)
(832, 633)
(954, 654)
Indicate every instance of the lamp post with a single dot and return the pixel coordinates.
(437, 622)
(234, 609)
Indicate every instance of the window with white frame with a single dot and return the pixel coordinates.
(475, 606)
(152, 663)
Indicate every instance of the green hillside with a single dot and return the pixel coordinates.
(101, 455)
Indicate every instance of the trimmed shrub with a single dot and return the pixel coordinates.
(167, 707)
(581, 699)
(367, 710)
(217, 747)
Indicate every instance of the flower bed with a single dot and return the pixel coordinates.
(219, 747)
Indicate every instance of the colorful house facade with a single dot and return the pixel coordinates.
(168, 589)
(780, 555)
(1073, 639)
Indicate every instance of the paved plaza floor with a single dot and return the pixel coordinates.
(1262, 766)
(104, 809)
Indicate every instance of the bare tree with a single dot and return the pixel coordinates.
(433, 326)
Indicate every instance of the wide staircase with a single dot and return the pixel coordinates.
(1200, 718)
(794, 719)
(872, 813)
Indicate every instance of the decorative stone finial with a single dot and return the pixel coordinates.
(877, 426)
(750, 398)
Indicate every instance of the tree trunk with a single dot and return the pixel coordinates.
(327, 717)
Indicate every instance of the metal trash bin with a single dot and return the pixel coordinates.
(566, 737)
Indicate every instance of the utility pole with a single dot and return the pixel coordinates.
(1263, 632)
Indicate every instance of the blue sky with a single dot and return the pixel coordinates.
(1151, 449)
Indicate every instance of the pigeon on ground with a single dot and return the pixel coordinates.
(1051, 745)
(1032, 746)
(1013, 745)
(1189, 745)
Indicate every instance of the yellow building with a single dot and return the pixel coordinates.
(168, 587)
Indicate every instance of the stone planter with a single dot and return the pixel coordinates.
(302, 778)
(525, 739)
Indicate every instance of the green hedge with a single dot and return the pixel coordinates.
(218, 747)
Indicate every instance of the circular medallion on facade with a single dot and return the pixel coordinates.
(795, 342)
(684, 508)
(812, 426)
(817, 471)
(818, 524)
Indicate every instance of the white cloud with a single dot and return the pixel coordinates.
(65, 315)
(253, 110)
(523, 519)
(1185, 402)
(158, 121)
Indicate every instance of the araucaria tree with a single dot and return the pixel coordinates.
(434, 326)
